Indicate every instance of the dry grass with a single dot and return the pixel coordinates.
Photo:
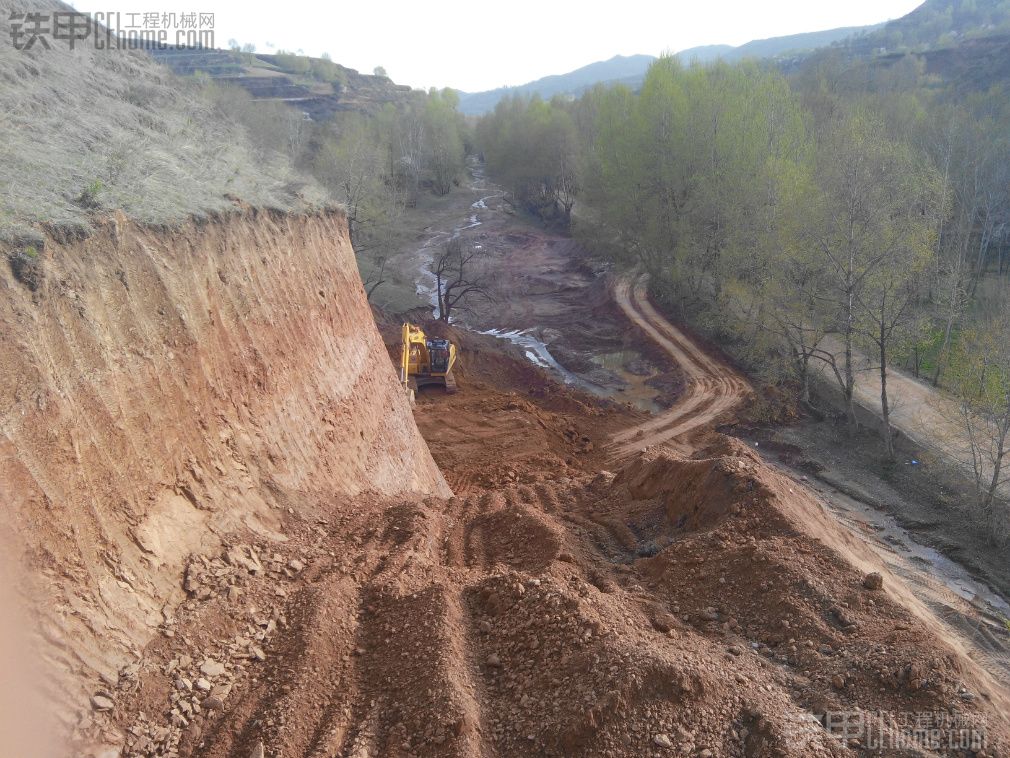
(89, 129)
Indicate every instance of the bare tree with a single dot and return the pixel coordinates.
(376, 277)
(887, 316)
(461, 277)
(296, 130)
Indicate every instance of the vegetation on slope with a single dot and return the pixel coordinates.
(87, 131)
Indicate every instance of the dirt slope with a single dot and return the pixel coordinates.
(699, 606)
(927, 415)
(163, 390)
(248, 551)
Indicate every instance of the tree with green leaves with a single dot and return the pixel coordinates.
(444, 129)
(981, 383)
(874, 211)
(534, 149)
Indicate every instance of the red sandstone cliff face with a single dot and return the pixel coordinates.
(163, 391)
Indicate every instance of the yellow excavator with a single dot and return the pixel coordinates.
(425, 361)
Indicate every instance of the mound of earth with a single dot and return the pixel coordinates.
(566, 610)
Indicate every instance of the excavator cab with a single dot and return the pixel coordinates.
(425, 361)
(439, 352)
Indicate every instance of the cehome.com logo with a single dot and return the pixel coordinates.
(111, 31)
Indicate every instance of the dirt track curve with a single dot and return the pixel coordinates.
(713, 389)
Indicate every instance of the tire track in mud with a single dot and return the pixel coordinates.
(714, 388)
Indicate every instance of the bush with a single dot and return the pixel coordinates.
(327, 71)
(89, 195)
(26, 265)
(292, 64)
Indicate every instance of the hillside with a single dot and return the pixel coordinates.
(960, 46)
(773, 47)
(314, 86)
(137, 140)
(938, 23)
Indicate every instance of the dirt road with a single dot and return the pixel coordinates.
(713, 387)
(927, 416)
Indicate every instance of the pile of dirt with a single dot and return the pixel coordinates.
(694, 493)
(248, 551)
(567, 611)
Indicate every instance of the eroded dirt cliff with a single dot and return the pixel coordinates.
(168, 393)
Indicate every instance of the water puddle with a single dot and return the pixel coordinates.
(865, 520)
(539, 354)
(635, 389)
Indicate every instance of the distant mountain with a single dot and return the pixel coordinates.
(618, 69)
(962, 40)
(774, 47)
(705, 53)
(631, 69)
(963, 45)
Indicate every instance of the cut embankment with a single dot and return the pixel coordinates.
(163, 390)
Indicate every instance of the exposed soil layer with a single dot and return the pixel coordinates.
(163, 389)
(245, 471)
(699, 605)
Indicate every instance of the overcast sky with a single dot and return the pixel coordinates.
(479, 45)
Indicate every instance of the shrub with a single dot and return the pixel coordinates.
(291, 63)
(327, 71)
(89, 195)
(26, 265)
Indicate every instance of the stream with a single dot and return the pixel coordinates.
(535, 349)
